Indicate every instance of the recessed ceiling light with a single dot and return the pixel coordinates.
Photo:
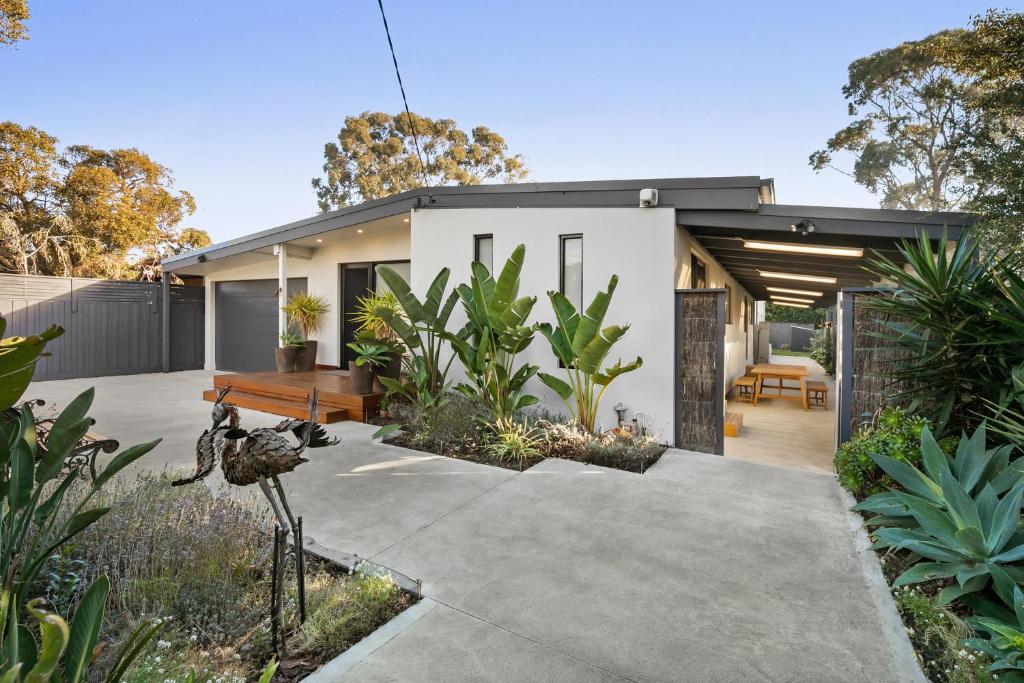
(319, 239)
(803, 248)
(795, 276)
(405, 220)
(776, 297)
(801, 292)
(790, 305)
(360, 231)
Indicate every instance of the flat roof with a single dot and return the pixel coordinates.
(730, 203)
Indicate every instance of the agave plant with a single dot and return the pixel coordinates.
(1004, 641)
(961, 514)
(582, 346)
(494, 335)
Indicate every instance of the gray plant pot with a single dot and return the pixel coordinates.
(361, 378)
(284, 358)
(305, 359)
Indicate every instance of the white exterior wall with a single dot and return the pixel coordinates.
(739, 345)
(636, 244)
(321, 272)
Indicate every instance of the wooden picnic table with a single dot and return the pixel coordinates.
(781, 373)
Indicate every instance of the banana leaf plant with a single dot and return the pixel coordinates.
(33, 485)
(494, 336)
(582, 346)
(1001, 637)
(961, 515)
(422, 327)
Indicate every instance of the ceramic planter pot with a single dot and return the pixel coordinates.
(360, 377)
(285, 359)
(393, 370)
(305, 359)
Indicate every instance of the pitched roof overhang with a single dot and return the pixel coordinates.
(876, 231)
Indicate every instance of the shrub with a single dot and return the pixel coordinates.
(621, 450)
(937, 634)
(823, 349)
(514, 442)
(896, 434)
(454, 425)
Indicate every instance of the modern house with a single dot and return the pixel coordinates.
(690, 234)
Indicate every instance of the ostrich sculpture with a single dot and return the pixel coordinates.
(263, 456)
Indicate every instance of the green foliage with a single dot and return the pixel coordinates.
(961, 318)
(33, 527)
(341, 611)
(823, 349)
(582, 346)
(290, 340)
(938, 634)
(514, 442)
(422, 327)
(375, 157)
(306, 312)
(371, 353)
(495, 334)
(1002, 639)
(451, 427)
(773, 313)
(961, 514)
(895, 434)
(1008, 413)
(368, 321)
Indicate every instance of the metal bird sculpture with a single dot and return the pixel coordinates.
(264, 455)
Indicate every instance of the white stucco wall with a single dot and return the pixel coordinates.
(738, 343)
(321, 272)
(636, 244)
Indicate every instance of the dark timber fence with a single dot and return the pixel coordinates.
(700, 370)
(112, 327)
(863, 357)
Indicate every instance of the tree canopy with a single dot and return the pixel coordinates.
(13, 15)
(939, 124)
(375, 156)
(85, 211)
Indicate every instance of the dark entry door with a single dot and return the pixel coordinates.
(246, 323)
(356, 281)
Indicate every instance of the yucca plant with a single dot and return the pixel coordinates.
(960, 317)
(582, 346)
(494, 336)
(961, 514)
(369, 321)
(306, 312)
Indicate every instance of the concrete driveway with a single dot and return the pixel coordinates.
(702, 569)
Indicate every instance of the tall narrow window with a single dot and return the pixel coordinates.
(698, 273)
(483, 250)
(570, 280)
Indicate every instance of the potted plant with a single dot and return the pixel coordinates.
(371, 325)
(306, 313)
(369, 356)
(285, 355)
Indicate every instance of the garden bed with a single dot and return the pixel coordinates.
(202, 562)
(459, 430)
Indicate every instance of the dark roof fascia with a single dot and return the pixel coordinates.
(734, 192)
(829, 220)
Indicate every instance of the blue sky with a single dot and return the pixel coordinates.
(238, 98)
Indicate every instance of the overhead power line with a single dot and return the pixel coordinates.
(405, 101)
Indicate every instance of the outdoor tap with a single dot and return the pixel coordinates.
(620, 412)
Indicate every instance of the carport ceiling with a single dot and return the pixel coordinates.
(727, 236)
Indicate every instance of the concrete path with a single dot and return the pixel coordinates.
(703, 569)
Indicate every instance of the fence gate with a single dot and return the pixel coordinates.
(700, 370)
(111, 327)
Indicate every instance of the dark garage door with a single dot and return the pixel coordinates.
(246, 323)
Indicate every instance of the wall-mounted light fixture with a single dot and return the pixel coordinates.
(803, 227)
(796, 276)
(803, 248)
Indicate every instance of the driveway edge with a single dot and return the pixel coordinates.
(901, 650)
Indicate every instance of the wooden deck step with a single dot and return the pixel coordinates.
(733, 424)
(284, 406)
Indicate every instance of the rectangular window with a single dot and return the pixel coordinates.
(403, 268)
(483, 251)
(570, 276)
(698, 274)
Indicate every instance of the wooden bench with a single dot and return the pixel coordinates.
(745, 388)
(817, 393)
